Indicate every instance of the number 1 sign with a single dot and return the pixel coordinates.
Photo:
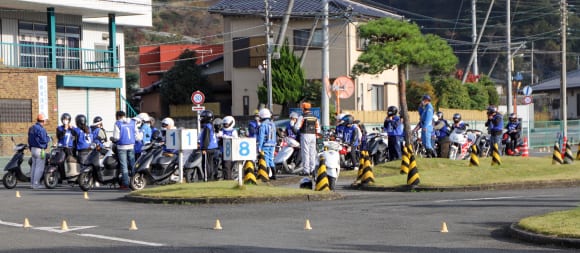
(181, 139)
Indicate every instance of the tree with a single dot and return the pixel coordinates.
(287, 80)
(415, 92)
(452, 94)
(182, 79)
(478, 95)
(395, 44)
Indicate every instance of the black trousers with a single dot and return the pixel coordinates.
(209, 165)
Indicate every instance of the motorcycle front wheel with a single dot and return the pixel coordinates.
(138, 182)
(86, 181)
(51, 179)
(9, 180)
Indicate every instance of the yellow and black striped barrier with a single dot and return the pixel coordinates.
(367, 176)
(557, 156)
(578, 154)
(495, 158)
(568, 157)
(249, 176)
(263, 168)
(361, 166)
(321, 177)
(405, 161)
(473, 158)
(410, 151)
(413, 176)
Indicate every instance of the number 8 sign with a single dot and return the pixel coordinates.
(240, 149)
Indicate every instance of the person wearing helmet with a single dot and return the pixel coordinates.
(167, 124)
(208, 144)
(65, 136)
(227, 132)
(339, 130)
(351, 138)
(98, 133)
(145, 127)
(394, 128)
(514, 130)
(125, 134)
(267, 139)
(290, 132)
(442, 130)
(83, 137)
(494, 126)
(458, 123)
(37, 142)
(254, 125)
(308, 127)
(426, 122)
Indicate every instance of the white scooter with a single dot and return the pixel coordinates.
(332, 162)
(461, 140)
(288, 157)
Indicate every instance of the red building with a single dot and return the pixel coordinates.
(154, 61)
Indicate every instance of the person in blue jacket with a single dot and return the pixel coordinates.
(254, 125)
(125, 135)
(442, 131)
(514, 130)
(227, 131)
(208, 144)
(98, 132)
(267, 139)
(426, 122)
(290, 131)
(37, 142)
(494, 125)
(394, 129)
(83, 137)
(351, 138)
(65, 136)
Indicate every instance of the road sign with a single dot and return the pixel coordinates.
(527, 90)
(197, 97)
(528, 100)
(198, 108)
(239, 149)
(181, 139)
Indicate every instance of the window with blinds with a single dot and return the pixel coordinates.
(15, 110)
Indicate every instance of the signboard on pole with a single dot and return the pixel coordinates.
(197, 97)
(528, 100)
(239, 149)
(181, 139)
(527, 91)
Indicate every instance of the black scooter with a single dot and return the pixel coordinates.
(57, 171)
(377, 147)
(156, 167)
(13, 171)
(102, 166)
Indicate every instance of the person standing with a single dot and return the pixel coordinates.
(351, 138)
(392, 126)
(442, 131)
(308, 127)
(514, 130)
(254, 125)
(37, 141)
(65, 136)
(208, 144)
(83, 138)
(125, 135)
(227, 132)
(494, 125)
(290, 131)
(426, 122)
(267, 139)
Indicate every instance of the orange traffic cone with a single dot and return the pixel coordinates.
(525, 148)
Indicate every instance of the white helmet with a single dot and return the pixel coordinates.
(435, 118)
(168, 122)
(229, 122)
(143, 117)
(265, 113)
(293, 115)
(340, 116)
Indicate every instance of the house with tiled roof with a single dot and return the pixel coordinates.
(244, 49)
(549, 91)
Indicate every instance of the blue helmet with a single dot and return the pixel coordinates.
(426, 97)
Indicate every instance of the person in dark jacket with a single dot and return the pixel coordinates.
(83, 137)
(38, 142)
(494, 125)
(208, 144)
(394, 128)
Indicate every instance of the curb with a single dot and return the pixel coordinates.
(486, 187)
(235, 200)
(527, 236)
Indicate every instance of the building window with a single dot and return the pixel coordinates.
(361, 43)
(15, 110)
(377, 98)
(301, 39)
(34, 50)
(246, 100)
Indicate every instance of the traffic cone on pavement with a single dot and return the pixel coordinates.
(218, 225)
(26, 223)
(307, 225)
(133, 226)
(64, 226)
(525, 148)
(444, 228)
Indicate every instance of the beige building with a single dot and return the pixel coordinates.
(244, 49)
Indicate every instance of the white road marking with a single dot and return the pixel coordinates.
(12, 224)
(60, 231)
(122, 240)
(491, 198)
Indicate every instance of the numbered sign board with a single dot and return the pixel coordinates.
(181, 139)
(240, 149)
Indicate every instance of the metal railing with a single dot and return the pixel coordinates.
(25, 55)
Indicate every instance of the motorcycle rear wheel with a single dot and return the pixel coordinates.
(86, 181)
(192, 175)
(138, 182)
(51, 179)
(9, 180)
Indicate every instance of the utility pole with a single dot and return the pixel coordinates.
(532, 62)
(325, 68)
(268, 54)
(509, 58)
(563, 96)
(476, 45)
(474, 35)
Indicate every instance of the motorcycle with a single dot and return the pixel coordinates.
(288, 158)
(160, 167)
(193, 170)
(461, 142)
(377, 147)
(508, 146)
(418, 148)
(332, 161)
(102, 166)
(60, 168)
(13, 170)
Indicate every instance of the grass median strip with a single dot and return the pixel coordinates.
(560, 224)
(440, 172)
(222, 189)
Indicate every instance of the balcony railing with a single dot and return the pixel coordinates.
(31, 55)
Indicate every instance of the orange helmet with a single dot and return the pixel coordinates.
(306, 106)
